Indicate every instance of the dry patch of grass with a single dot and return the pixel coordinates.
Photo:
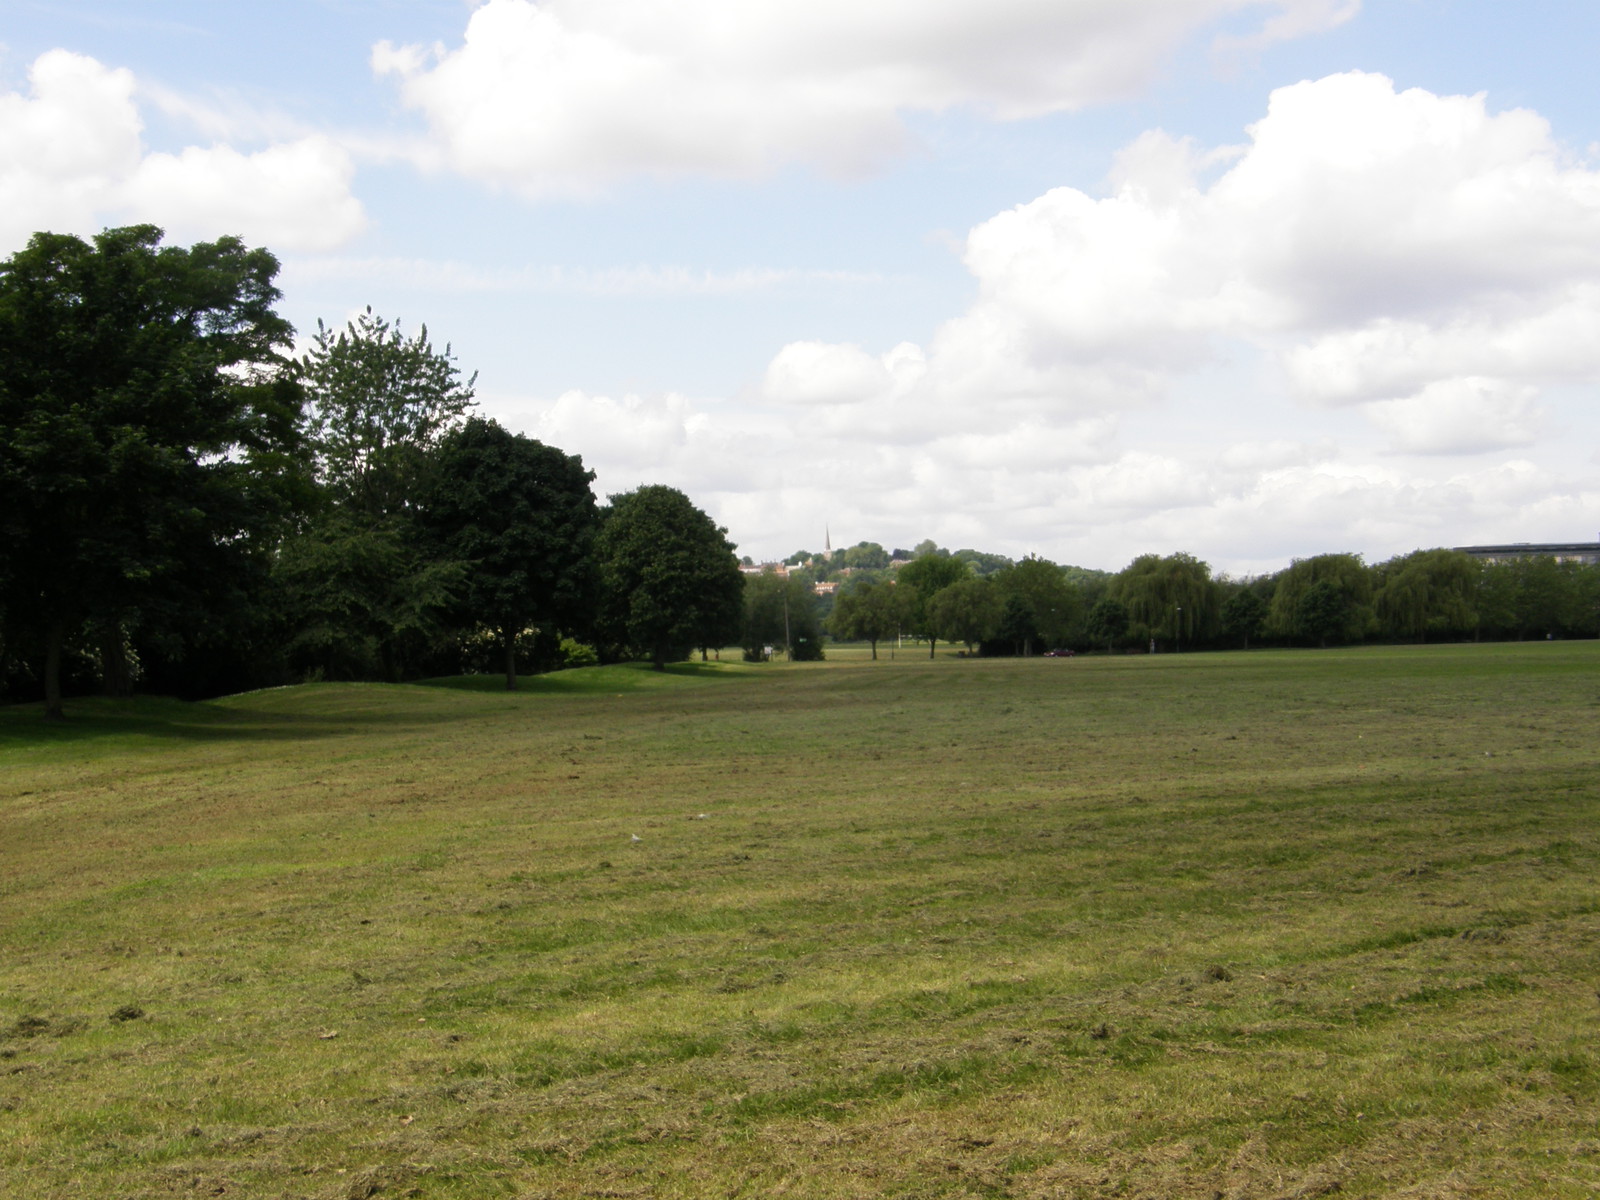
(1243, 925)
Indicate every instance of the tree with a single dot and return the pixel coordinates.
(1016, 626)
(1346, 574)
(1173, 597)
(967, 611)
(1244, 615)
(1053, 604)
(669, 579)
(871, 612)
(1322, 612)
(379, 403)
(781, 611)
(929, 574)
(147, 437)
(519, 516)
(1428, 591)
(364, 589)
(1108, 622)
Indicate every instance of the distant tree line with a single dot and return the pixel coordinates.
(1174, 602)
(187, 509)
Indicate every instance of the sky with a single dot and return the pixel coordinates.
(1088, 279)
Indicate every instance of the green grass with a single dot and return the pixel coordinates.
(1267, 924)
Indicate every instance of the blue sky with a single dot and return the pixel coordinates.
(1254, 279)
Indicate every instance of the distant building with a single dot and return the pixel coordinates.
(1578, 552)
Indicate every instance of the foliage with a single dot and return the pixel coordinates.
(781, 611)
(927, 576)
(871, 612)
(983, 565)
(147, 439)
(1174, 598)
(1429, 591)
(669, 579)
(379, 403)
(1054, 606)
(967, 611)
(1107, 623)
(1244, 615)
(1349, 582)
(520, 518)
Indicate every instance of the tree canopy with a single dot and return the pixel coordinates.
(670, 581)
(520, 518)
(147, 428)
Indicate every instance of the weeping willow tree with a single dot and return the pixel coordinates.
(1172, 599)
(1428, 591)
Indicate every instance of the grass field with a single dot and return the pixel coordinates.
(1277, 924)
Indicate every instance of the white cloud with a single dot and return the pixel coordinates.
(1461, 416)
(571, 95)
(1380, 247)
(1274, 349)
(73, 159)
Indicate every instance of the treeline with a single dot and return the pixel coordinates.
(1175, 602)
(187, 509)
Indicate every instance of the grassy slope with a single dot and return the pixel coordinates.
(1257, 925)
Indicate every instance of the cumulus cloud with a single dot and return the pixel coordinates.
(1414, 254)
(570, 95)
(73, 159)
(1275, 348)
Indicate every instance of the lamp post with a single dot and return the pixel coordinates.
(1177, 634)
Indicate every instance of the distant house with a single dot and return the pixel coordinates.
(1576, 552)
(825, 589)
(781, 570)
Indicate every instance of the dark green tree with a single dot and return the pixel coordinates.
(520, 518)
(1107, 622)
(1322, 612)
(1244, 615)
(147, 439)
(1054, 604)
(364, 590)
(669, 579)
(1017, 627)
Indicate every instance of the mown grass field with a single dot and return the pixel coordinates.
(1243, 925)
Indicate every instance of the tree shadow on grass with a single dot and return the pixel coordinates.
(323, 710)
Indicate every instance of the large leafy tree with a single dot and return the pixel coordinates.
(147, 431)
(1348, 579)
(520, 518)
(928, 575)
(1054, 605)
(967, 612)
(669, 579)
(1169, 598)
(362, 592)
(1428, 591)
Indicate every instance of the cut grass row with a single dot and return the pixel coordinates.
(1250, 924)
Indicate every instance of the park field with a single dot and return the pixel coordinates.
(1269, 924)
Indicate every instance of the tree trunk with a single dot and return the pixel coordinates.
(932, 642)
(54, 636)
(874, 649)
(509, 637)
